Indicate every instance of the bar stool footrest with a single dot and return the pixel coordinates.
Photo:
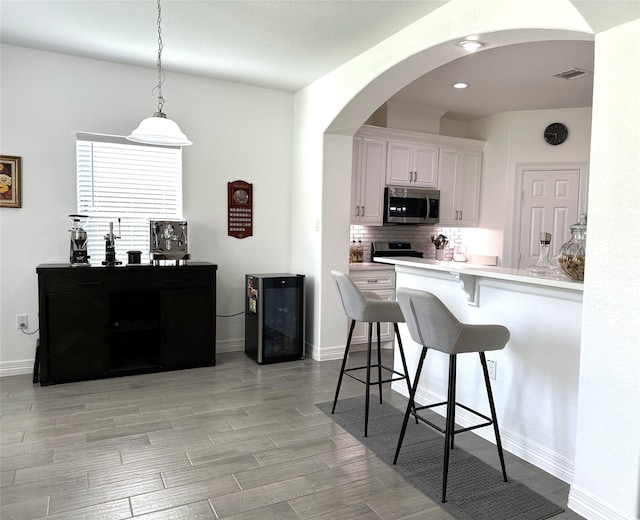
(400, 375)
(488, 420)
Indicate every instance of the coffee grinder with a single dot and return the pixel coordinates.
(78, 255)
(110, 246)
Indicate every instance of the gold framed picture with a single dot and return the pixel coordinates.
(10, 182)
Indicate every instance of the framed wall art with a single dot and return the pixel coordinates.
(10, 182)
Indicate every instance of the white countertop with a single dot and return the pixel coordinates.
(368, 265)
(500, 273)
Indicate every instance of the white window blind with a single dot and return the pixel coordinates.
(133, 182)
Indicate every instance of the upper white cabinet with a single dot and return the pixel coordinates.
(412, 164)
(367, 180)
(389, 157)
(459, 174)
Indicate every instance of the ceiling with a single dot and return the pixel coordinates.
(288, 44)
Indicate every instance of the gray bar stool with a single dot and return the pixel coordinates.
(433, 326)
(368, 308)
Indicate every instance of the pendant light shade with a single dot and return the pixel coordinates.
(159, 130)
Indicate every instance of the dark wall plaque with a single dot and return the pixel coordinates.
(240, 209)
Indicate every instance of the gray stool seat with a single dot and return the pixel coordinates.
(432, 325)
(368, 308)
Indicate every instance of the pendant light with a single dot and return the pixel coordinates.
(159, 129)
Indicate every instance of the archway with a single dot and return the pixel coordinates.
(328, 112)
(335, 158)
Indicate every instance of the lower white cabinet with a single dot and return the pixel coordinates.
(383, 283)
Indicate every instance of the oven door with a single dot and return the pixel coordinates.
(411, 206)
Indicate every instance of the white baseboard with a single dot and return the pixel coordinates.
(337, 352)
(16, 368)
(553, 463)
(25, 366)
(589, 506)
(230, 345)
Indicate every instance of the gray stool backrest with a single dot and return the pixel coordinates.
(353, 299)
(429, 321)
(433, 325)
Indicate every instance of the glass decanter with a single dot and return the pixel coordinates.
(543, 267)
(571, 258)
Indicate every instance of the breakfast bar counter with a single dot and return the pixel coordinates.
(470, 274)
(534, 379)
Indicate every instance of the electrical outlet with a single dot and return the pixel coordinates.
(492, 367)
(22, 321)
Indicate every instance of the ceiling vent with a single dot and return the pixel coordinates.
(573, 73)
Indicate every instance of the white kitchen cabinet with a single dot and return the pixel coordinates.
(367, 180)
(383, 283)
(459, 173)
(412, 164)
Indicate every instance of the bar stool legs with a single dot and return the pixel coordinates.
(411, 404)
(450, 430)
(494, 418)
(344, 364)
(395, 376)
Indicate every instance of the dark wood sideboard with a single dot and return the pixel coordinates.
(98, 322)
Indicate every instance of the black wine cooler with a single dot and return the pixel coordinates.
(274, 317)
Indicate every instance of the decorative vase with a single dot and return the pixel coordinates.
(571, 258)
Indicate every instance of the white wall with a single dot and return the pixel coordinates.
(514, 138)
(239, 132)
(607, 475)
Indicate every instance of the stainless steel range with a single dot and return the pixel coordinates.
(382, 249)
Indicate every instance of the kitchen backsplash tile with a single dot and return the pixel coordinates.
(419, 236)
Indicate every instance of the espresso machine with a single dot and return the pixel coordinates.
(78, 255)
(110, 246)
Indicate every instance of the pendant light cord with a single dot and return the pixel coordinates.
(158, 87)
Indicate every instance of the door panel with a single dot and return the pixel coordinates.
(549, 203)
(78, 336)
(469, 188)
(447, 181)
(398, 163)
(374, 159)
(186, 333)
(426, 166)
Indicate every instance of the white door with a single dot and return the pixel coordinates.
(550, 202)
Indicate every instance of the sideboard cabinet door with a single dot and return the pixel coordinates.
(186, 318)
(78, 329)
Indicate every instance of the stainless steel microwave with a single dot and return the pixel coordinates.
(411, 205)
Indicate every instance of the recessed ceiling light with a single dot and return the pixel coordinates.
(461, 85)
(471, 45)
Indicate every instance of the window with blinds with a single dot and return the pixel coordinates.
(118, 179)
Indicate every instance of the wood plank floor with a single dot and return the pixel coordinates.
(235, 441)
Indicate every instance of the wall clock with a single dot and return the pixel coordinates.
(556, 133)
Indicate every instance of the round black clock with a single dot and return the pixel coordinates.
(556, 133)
